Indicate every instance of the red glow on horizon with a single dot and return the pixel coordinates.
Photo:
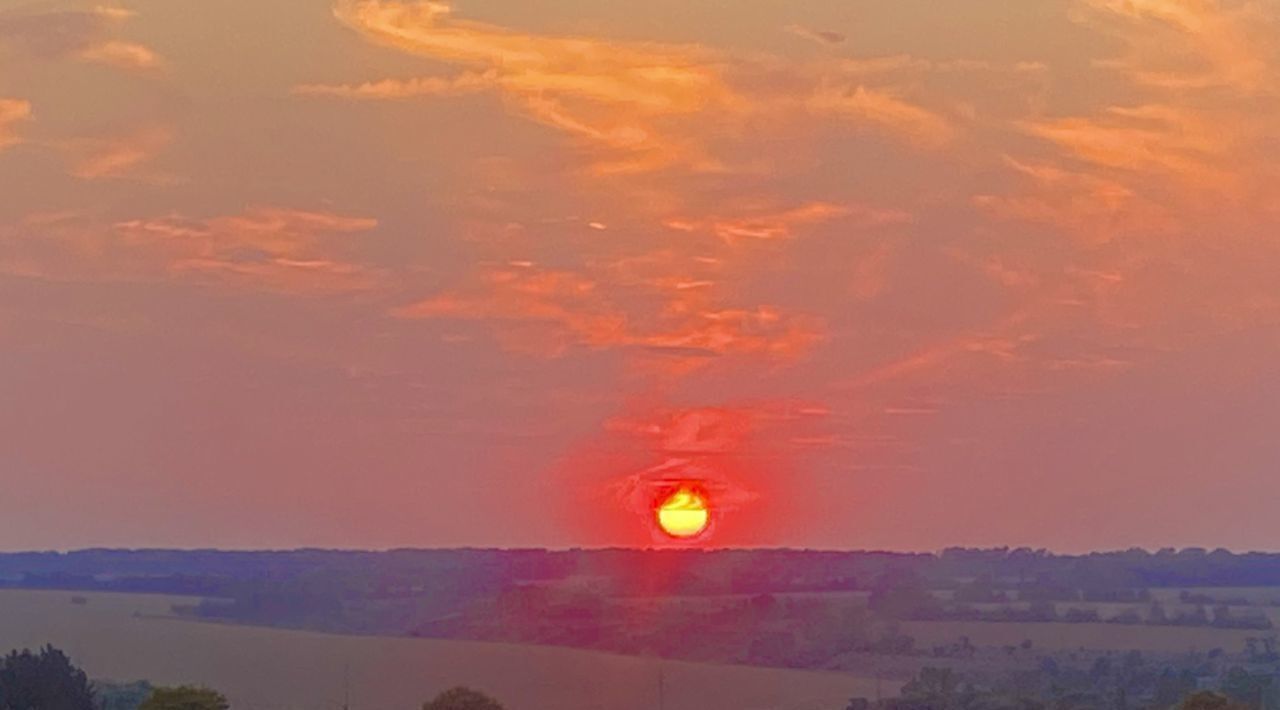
(618, 486)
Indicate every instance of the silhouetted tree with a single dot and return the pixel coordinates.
(45, 681)
(461, 698)
(185, 697)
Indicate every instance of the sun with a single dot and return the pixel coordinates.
(684, 514)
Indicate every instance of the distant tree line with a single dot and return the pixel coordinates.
(513, 595)
(1129, 684)
(905, 594)
(1106, 576)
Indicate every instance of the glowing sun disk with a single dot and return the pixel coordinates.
(683, 514)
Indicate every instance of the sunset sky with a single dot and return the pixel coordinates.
(877, 274)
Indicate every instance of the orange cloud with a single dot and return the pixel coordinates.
(607, 94)
(782, 224)
(118, 157)
(113, 13)
(549, 312)
(1204, 74)
(715, 442)
(640, 106)
(644, 75)
(123, 55)
(923, 127)
(274, 249)
(1100, 173)
(262, 237)
(1193, 44)
(403, 88)
(12, 111)
(1153, 138)
(87, 35)
(1090, 207)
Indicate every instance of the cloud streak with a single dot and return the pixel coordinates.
(12, 113)
(640, 106)
(891, 113)
(84, 35)
(550, 312)
(266, 248)
(123, 55)
(609, 95)
(118, 157)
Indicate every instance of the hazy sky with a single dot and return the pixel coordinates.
(899, 274)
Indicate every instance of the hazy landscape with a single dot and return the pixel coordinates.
(631, 628)
(130, 637)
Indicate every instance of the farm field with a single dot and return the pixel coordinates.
(1068, 636)
(128, 637)
(1257, 596)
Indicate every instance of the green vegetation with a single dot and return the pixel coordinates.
(121, 696)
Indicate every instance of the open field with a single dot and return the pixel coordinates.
(1067, 636)
(1257, 596)
(126, 637)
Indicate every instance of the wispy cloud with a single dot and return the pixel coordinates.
(12, 112)
(122, 156)
(610, 95)
(89, 35)
(1206, 75)
(1192, 44)
(403, 88)
(640, 106)
(1091, 207)
(568, 309)
(782, 224)
(1154, 138)
(265, 248)
(124, 55)
(922, 126)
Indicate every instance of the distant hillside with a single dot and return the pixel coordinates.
(403, 572)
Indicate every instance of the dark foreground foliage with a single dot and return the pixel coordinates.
(43, 680)
(462, 698)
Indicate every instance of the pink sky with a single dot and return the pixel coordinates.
(880, 274)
